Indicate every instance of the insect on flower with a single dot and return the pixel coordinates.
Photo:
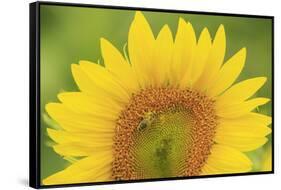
(147, 120)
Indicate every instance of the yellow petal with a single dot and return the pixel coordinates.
(226, 160)
(249, 119)
(267, 160)
(105, 81)
(259, 118)
(240, 92)
(207, 170)
(214, 61)
(202, 52)
(140, 47)
(61, 137)
(162, 56)
(89, 169)
(240, 109)
(184, 48)
(87, 85)
(105, 175)
(116, 64)
(242, 137)
(83, 81)
(228, 73)
(81, 103)
(71, 121)
(76, 149)
(233, 128)
(243, 144)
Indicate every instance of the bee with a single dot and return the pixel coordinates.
(147, 120)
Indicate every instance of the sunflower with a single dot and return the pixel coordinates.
(169, 109)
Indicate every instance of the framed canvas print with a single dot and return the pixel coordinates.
(121, 94)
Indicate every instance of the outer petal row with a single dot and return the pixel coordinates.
(91, 169)
(224, 159)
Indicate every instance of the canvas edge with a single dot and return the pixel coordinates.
(34, 95)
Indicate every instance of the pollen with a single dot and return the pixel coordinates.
(163, 132)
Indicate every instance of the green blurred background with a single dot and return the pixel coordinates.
(69, 34)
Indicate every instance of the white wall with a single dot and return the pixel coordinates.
(14, 92)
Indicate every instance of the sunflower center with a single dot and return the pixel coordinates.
(163, 132)
(161, 141)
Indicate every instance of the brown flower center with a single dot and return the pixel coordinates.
(163, 132)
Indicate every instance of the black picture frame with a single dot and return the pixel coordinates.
(34, 92)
